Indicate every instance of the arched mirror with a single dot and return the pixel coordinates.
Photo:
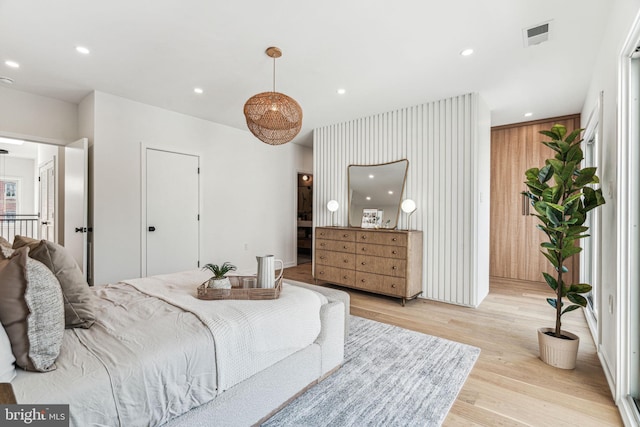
(375, 192)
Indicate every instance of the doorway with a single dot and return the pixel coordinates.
(47, 179)
(305, 218)
(172, 212)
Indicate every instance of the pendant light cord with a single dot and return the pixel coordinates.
(274, 74)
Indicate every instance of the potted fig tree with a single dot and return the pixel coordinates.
(561, 193)
(219, 280)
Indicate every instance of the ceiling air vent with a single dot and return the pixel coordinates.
(536, 35)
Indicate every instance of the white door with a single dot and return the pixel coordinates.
(172, 200)
(76, 173)
(47, 180)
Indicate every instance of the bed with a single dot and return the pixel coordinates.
(157, 355)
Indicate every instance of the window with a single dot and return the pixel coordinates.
(8, 197)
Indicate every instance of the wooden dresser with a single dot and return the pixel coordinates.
(386, 262)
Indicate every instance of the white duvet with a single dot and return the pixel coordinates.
(156, 351)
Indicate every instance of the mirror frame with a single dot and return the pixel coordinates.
(404, 181)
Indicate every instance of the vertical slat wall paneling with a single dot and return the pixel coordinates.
(439, 140)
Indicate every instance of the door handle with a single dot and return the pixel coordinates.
(524, 204)
(81, 229)
(152, 228)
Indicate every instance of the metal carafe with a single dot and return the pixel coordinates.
(266, 271)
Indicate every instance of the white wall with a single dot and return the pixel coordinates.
(447, 144)
(605, 79)
(37, 118)
(247, 187)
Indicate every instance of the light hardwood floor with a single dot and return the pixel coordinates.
(509, 385)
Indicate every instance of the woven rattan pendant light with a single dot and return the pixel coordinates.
(273, 117)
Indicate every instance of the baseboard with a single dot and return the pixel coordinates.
(628, 412)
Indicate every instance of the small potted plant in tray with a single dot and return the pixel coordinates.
(561, 193)
(219, 280)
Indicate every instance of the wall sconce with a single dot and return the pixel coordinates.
(333, 206)
(408, 206)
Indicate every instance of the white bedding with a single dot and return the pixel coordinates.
(249, 335)
(145, 361)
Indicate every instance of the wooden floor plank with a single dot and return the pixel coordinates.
(509, 385)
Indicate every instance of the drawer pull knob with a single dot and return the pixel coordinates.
(322, 234)
(345, 235)
(322, 244)
(394, 252)
(345, 277)
(345, 261)
(363, 280)
(363, 263)
(364, 249)
(364, 237)
(322, 257)
(344, 247)
(322, 272)
(393, 285)
(395, 239)
(394, 268)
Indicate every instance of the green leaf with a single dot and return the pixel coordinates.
(559, 208)
(576, 230)
(564, 146)
(551, 281)
(572, 136)
(545, 173)
(532, 174)
(559, 130)
(576, 237)
(569, 251)
(552, 302)
(536, 187)
(575, 154)
(586, 176)
(580, 288)
(552, 259)
(554, 216)
(553, 146)
(555, 164)
(550, 134)
(570, 308)
(548, 245)
(577, 299)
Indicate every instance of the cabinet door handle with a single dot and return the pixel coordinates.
(393, 285)
(394, 252)
(363, 280)
(394, 268)
(364, 237)
(364, 249)
(395, 239)
(524, 204)
(344, 247)
(363, 263)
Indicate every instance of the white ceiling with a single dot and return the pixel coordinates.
(386, 54)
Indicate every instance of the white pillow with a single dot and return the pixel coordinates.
(7, 361)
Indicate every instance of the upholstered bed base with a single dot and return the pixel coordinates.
(260, 396)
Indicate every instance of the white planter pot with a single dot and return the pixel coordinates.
(222, 283)
(558, 352)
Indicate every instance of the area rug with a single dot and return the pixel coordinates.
(391, 377)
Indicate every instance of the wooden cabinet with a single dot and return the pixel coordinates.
(386, 262)
(515, 240)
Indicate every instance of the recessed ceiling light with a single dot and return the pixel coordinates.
(371, 176)
(198, 90)
(11, 141)
(12, 64)
(341, 91)
(528, 114)
(390, 192)
(368, 198)
(466, 52)
(6, 80)
(83, 50)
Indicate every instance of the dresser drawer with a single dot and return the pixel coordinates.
(340, 276)
(382, 284)
(336, 259)
(382, 238)
(377, 265)
(331, 234)
(335, 245)
(399, 252)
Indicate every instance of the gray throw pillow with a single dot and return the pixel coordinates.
(31, 311)
(78, 299)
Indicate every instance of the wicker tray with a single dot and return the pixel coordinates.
(237, 290)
